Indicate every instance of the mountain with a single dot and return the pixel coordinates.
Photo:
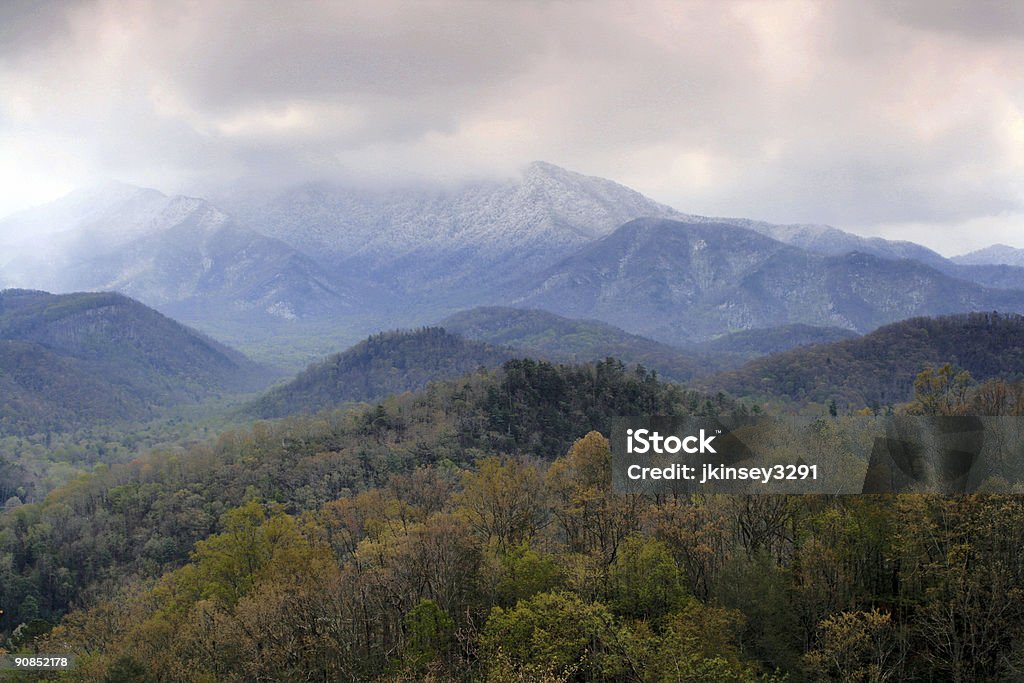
(429, 243)
(764, 341)
(179, 254)
(992, 276)
(38, 244)
(551, 336)
(69, 360)
(879, 368)
(682, 282)
(829, 241)
(997, 254)
(1000, 268)
(202, 259)
(287, 275)
(441, 238)
(384, 364)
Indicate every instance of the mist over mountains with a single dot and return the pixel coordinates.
(337, 263)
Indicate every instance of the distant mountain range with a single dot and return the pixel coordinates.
(879, 368)
(995, 255)
(420, 241)
(75, 359)
(179, 254)
(686, 282)
(330, 264)
(400, 361)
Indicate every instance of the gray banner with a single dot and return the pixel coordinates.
(849, 455)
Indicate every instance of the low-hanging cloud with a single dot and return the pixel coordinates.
(869, 116)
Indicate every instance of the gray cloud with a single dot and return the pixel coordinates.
(870, 116)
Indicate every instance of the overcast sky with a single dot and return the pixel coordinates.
(904, 119)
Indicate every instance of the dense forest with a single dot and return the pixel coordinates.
(467, 532)
(879, 368)
(554, 337)
(32, 465)
(384, 364)
(761, 342)
(144, 516)
(70, 361)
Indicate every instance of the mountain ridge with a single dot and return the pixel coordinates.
(993, 255)
(880, 367)
(683, 282)
(321, 262)
(73, 358)
(383, 364)
(553, 337)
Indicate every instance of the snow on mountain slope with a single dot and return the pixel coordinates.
(681, 282)
(997, 254)
(547, 205)
(540, 217)
(39, 243)
(167, 252)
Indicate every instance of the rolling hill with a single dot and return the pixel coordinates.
(879, 368)
(66, 360)
(551, 336)
(386, 363)
(763, 341)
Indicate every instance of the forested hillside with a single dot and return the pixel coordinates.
(468, 532)
(565, 339)
(768, 340)
(74, 359)
(138, 519)
(879, 368)
(386, 363)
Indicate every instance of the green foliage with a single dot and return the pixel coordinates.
(938, 391)
(504, 501)
(424, 538)
(698, 643)
(644, 581)
(764, 341)
(855, 646)
(555, 632)
(142, 518)
(429, 634)
(763, 592)
(126, 669)
(26, 634)
(522, 572)
(32, 465)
